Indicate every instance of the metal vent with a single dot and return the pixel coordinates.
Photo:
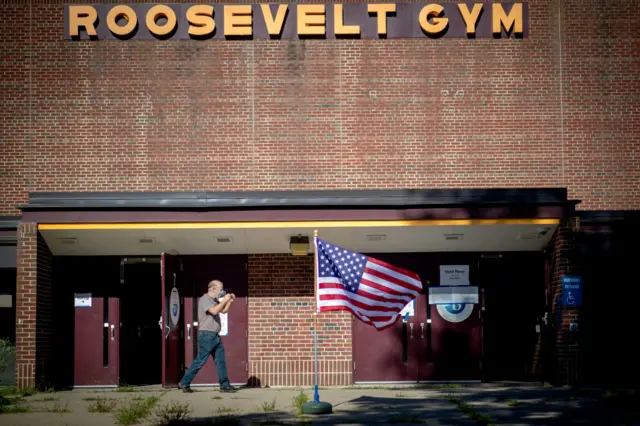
(68, 241)
(147, 240)
(379, 237)
(528, 236)
(224, 239)
(453, 237)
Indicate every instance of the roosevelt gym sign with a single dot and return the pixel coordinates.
(294, 21)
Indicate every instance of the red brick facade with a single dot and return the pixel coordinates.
(281, 326)
(553, 109)
(34, 307)
(556, 109)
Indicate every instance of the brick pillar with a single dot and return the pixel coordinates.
(567, 345)
(34, 321)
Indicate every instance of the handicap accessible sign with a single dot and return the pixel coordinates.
(571, 291)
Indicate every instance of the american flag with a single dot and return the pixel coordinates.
(372, 290)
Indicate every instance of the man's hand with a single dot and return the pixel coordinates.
(231, 298)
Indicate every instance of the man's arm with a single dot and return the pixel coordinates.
(215, 310)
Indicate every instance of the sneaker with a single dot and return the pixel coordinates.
(228, 388)
(185, 389)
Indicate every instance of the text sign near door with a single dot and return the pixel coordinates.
(571, 291)
(454, 275)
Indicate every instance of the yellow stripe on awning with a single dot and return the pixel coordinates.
(300, 224)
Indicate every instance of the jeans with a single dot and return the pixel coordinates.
(209, 343)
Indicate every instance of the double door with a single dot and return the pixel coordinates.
(184, 282)
(108, 336)
(433, 343)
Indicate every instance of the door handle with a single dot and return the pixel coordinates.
(411, 328)
(422, 330)
(168, 332)
(160, 322)
(188, 331)
(113, 332)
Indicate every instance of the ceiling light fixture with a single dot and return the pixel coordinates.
(299, 246)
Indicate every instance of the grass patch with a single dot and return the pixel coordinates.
(298, 401)
(12, 391)
(9, 409)
(57, 408)
(125, 388)
(46, 399)
(172, 413)
(225, 416)
(135, 411)
(10, 400)
(102, 405)
(463, 407)
(7, 404)
(269, 407)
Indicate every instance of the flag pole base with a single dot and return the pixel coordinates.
(317, 407)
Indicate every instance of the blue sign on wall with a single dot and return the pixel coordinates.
(571, 291)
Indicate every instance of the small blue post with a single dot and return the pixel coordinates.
(316, 395)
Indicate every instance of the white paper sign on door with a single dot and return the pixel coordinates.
(224, 325)
(454, 274)
(82, 300)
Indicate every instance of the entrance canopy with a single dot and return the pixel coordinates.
(264, 222)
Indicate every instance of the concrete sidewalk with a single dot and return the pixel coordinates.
(455, 405)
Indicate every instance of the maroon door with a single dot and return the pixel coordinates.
(96, 340)
(232, 271)
(455, 347)
(390, 355)
(438, 343)
(172, 319)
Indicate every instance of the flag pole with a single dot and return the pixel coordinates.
(315, 406)
(316, 395)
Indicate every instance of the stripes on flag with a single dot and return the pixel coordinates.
(372, 290)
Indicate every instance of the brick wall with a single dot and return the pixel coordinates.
(281, 326)
(565, 343)
(34, 323)
(555, 109)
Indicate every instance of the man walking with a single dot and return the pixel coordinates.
(210, 306)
